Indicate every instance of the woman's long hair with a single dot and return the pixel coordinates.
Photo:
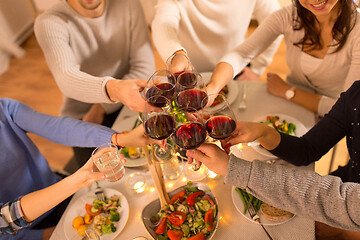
(306, 20)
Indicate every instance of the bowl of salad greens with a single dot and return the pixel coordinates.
(192, 212)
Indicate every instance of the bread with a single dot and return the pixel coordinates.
(275, 214)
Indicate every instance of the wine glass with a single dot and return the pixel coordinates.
(161, 83)
(220, 119)
(191, 133)
(159, 123)
(191, 92)
(178, 63)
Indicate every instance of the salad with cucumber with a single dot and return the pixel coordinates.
(280, 125)
(191, 214)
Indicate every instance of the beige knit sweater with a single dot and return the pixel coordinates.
(84, 53)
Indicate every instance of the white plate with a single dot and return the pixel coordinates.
(124, 122)
(300, 130)
(232, 86)
(78, 209)
(240, 207)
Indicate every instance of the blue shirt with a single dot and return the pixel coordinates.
(23, 169)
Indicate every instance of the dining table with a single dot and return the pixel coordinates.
(232, 224)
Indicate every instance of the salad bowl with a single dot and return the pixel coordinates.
(153, 208)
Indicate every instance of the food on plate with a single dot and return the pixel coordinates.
(247, 197)
(191, 214)
(280, 125)
(224, 91)
(100, 216)
(275, 214)
(77, 222)
(132, 153)
(81, 230)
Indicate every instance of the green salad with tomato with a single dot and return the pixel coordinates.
(191, 214)
(281, 126)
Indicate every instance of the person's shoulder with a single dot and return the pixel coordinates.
(59, 10)
(353, 93)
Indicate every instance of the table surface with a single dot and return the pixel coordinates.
(231, 223)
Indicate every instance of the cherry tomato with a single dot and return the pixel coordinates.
(209, 219)
(199, 236)
(190, 200)
(175, 234)
(177, 218)
(88, 208)
(179, 195)
(162, 226)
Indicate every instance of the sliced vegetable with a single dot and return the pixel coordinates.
(190, 200)
(179, 195)
(177, 218)
(162, 226)
(209, 219)
(175, 234)
(92, 210)
(199, 236)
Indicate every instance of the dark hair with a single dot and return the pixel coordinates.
(306, 20)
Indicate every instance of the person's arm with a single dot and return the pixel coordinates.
(20, 213)
(165, 27)
(234, 61)
(278, 87)
(263, 9)
(322, 198)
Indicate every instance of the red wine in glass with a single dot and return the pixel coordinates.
(220, 127)
(166, 90)
(191, 99)
(160, 126)
(187, 79)
(190, 135)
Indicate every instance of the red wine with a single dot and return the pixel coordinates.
(187, 79)
(172, 79)
(166, 90)
(220, 127)
(191, 99)
(160, 126)
(190, 136)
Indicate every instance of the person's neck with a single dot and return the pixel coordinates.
(330, 19)
(93, 13)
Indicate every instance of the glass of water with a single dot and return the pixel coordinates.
(108, 160)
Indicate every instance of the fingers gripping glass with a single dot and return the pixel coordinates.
(190, 134)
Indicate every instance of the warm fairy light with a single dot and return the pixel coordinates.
(177, 154)
(239, 145)
(249, 144)
(170, 185)
(139, 186)
(184, 179)
(211, 174)
(220, 218)
(152, 189)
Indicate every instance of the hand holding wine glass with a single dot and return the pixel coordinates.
(191, 92)
(178, 63)
(220, 119)
(161, 83)
(158, 123)
(191, 133)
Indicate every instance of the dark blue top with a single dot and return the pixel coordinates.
(343, 120)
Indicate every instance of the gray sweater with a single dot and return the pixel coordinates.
(323, 198)
(84, 53)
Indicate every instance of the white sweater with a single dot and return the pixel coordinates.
(84, 53)
(207, 29)
(335, 74)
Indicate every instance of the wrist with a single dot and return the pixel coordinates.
(290, 93)
(117, 139)
(110, 88)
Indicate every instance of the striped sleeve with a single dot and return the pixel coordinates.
(12, 218)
